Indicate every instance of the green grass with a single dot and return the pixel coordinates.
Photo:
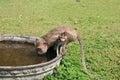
(97, 21)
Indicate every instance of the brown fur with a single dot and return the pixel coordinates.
(50, 37)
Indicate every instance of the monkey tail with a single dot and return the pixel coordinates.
(83, 57)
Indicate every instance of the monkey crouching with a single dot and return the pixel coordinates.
(59, 37)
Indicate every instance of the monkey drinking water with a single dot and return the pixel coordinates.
(49, 39)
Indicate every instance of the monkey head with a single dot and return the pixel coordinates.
(41, 46)
(63, 37)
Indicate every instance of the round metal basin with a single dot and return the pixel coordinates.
(31, 71)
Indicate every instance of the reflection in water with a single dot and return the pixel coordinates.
(19, 54)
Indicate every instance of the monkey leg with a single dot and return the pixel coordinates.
(62, 50)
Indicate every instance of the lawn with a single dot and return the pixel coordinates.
(97, 21)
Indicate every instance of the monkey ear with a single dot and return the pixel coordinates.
(36, 41)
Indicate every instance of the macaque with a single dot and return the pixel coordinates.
(50, 38)
(61, 43)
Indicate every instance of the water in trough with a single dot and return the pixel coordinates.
(20, 54)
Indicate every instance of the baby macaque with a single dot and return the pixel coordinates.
(50, 38)
(60, 43)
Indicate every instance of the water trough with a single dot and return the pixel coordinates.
(27, 65)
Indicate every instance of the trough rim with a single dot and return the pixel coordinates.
(27, 66)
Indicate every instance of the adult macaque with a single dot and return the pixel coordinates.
(50, 38)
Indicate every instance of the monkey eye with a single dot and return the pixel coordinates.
(45, 43)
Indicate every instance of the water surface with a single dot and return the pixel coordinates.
(21, 54)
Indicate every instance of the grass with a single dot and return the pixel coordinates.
(97, 21)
